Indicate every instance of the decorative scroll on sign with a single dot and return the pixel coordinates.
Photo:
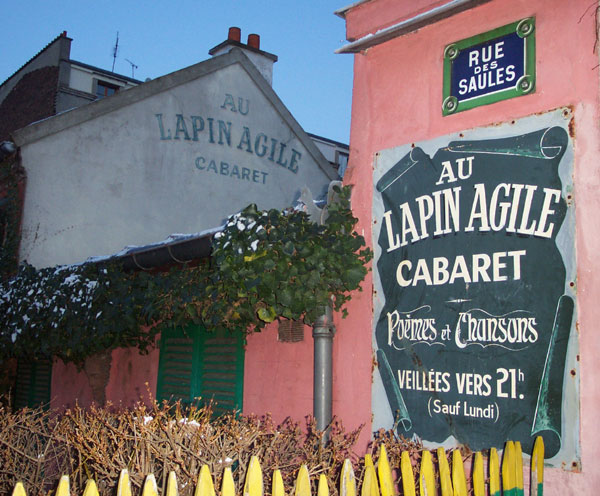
(475, 284)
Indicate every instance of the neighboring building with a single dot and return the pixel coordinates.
(474, 154)
(177, 154)
(335, 152)
(50, 83)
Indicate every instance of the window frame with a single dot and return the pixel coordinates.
(107, 86)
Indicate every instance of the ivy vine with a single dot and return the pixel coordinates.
(266, 265)
(10, 214)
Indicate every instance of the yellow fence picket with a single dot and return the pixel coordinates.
(369, 485)
(172, 485)
(227, 485)
(90, 488)
(19, 490)
(508, 470)
(277, 488)
(124, 485)
(302, 487)
(494, 470)
(478, 476)
(537, 468)
(323, 489)
(386, 483)
(519, 491)
(459, 482)
(150, 488)
(426, 475)
(63, 486)
(445, 481)
(205, 486)
(254, 482)
(408, 478)
(347, 480)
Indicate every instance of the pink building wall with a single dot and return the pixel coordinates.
(397, 99)
(278, 376)
(132, 379)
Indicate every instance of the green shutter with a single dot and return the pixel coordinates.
(198, 364)
(222, 370)
(32, 387)
(176, 366)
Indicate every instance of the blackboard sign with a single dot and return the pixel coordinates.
(474, 286)
(489, 67)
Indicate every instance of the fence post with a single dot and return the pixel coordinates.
(444, 470)
(385, 473)
(19, 490)
(172, 485)
(302, 487)
(123, 486)
(537, 468)
(254, 480)
(426, 475)
(63, 486)
(408, 477)
(277, 488)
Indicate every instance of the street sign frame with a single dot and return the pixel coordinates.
(462, 84)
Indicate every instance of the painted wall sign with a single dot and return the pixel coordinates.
(489, 67)
(233, 136)
(474, 287)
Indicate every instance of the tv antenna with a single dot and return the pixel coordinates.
(115, 51)
(133, 66)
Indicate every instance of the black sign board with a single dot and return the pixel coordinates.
(489, 67)
(477, 300)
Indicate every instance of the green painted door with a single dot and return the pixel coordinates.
(199, 365)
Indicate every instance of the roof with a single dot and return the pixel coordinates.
(327, 140)
(113, 75)
(61, 35)
(405, 26)
(238, 44)
(342, 12)
(177, 248)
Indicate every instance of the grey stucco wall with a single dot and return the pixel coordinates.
(120, 179)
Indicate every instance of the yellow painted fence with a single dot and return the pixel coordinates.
(375, 482)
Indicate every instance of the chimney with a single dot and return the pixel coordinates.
(254, 41)
(262, 60)
(235, 34)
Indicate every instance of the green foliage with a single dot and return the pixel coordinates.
(73, 312)
(282, 265)
(265, 266)
(10, 215)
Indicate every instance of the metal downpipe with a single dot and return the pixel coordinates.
(323, 332)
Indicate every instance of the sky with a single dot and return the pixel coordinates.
(313, 82)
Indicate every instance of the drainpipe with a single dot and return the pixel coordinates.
(323, 332)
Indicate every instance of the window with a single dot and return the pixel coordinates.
(32, 387)
(196, 364)
(341, 160)
(104, 89)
